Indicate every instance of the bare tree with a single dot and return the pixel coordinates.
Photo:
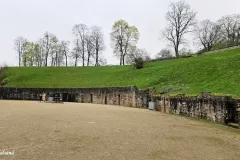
(20, 47)
(81, 31)
(65, 50)
(54, 50)
(76, 53)
(41, 52)
(47, 47)
(230, 29)
(48, 41)
(164, 53)
(123, 37)
(180, 19)
(185, 52)
(89, 47)
(98, 43)
(137, 53)
(60, 55)
(207, 34)
(102, 61)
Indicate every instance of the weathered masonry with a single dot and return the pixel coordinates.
(221, 109)
(124, 96)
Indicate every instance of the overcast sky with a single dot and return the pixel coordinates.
(31, 18)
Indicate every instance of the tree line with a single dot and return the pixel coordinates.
(88, 43)
(181, 20)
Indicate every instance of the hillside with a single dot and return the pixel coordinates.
(218, 73)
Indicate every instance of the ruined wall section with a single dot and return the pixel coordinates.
(124, 96)
(220, 109)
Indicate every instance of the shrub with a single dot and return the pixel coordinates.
(164, 54)
(138, 63)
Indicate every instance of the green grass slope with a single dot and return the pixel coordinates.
(217, 73)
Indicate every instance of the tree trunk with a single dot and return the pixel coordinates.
(205, 47)
(83, 56)
(209, 47)
(88, 59)
(83, 61)
(237, 40)
(177, 45)
(88, 62)
(176, 52)
(76, 62)
(121, 57)
(52, 61)
(31, 62)
(46, 62)
(56, 59)
(96, 58)
(46, 58)
(25, 61)
(66, 60)
(19, 60)
(120, 60)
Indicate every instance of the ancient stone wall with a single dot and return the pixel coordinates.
(222, 109)
(143, 97)
(124, 96)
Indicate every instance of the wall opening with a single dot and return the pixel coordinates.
(82, 98)
(119, 100)
(66, 97)
(105, 99)
(230, 115)
(91, 98)
(72, 98)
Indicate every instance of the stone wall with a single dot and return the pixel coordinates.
(222, 109)
(124, 96)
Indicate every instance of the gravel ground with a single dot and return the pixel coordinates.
(88, 131)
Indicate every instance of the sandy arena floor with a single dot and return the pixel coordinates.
(86, 131)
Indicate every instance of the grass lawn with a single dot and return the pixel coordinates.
(217, 73)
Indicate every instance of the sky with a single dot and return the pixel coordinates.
(31, 18)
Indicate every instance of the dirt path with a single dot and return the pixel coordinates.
(85, 131)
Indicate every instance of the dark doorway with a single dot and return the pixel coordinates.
(105, 100)
(119, 100)
(66, 97)
(91, 98)
(231, 115)
(82, 98)
(72, 98)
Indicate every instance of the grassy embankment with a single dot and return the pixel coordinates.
(217, 73)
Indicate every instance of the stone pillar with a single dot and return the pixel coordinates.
(134, 98)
